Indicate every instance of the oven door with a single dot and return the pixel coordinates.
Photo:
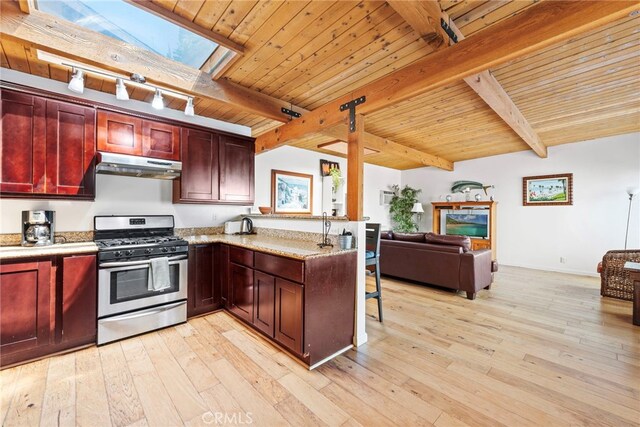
(123, 286)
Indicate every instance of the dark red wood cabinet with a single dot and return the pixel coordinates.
(203, 290)
(236, 169)
(216, 168)
(264, 294)
(71, 149)
(77, 324)
(200, 180)
(288, 322)
(47, 305)
(26, 291)
(241, 291)
(22, 146)
(47, 147)
(126, 134)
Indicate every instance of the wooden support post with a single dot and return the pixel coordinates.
(355, 171)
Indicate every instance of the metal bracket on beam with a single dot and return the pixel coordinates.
(447, 29)
(351, 106)
(290, 113)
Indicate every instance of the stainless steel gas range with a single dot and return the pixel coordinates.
(132, 251)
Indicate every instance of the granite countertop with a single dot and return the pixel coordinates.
(299, 249)
(11, 252)
(296, 216)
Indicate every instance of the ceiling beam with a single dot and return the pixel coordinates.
(422, 16)
(174, 18)
(49, 33)
(26, 6)
(536, 28)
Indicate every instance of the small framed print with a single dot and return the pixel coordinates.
(291, 193)
(547, 190)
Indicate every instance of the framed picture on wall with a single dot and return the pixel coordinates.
(326, 166)
(547, 190)
(291, 192)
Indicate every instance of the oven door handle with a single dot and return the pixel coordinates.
(127, 263)
(144, 313)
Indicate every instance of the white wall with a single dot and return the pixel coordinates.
(294, 159)
(378, 178)
(537, 236)
(119, 195)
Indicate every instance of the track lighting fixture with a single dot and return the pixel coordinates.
(157, 102)
(77, 81)
(121, 90)
(188, 109)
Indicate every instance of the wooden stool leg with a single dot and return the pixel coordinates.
(379, 290)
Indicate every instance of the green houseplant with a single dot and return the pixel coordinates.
(335, 177)
(400, 208)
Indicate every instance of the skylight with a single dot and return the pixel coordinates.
(135, 26)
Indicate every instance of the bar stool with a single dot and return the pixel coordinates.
(372, 257)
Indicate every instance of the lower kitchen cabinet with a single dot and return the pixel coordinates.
(307, 306)
(241, 291)
(25, 309)
(78, 310)
(264, 293)
(288, 331)
(47, 305)
(203, 289)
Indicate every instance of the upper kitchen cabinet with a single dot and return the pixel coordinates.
(125, 134)
(71, 149)
(236, 169)
(47, 147)
(23, 149)
(216, 168)
(200, 179)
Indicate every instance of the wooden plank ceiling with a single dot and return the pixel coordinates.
(308, 53)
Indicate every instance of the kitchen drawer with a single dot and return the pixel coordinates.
(283, 267)
(241, 256)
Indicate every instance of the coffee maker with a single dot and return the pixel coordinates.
(37, 228)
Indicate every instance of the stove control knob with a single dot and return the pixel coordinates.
(173, 249)
(147, 251)
(117, 254)
(129, 252)
(165, 250)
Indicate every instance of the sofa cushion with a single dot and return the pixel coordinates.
(409, 237)
(463, 241)
(386, 235)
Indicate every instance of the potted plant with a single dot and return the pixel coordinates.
(335, 177)
(400, 208)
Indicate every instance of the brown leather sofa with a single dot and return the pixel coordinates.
(434, 259)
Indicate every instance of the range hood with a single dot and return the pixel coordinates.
(143, 167)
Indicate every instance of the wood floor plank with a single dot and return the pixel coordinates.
(124, 404)
(92, 406)
(325, 409)
(59, 405)
(183, 394)
(158, 407)
(26, 405)
(247, 396)
(8, 380)
(199, 374)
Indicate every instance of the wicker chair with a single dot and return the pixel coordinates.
(615, 282)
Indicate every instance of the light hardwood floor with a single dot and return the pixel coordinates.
(539, 349)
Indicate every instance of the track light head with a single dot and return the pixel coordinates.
(188, 109)
(157, 102)
(76, 84)
(121, 90)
